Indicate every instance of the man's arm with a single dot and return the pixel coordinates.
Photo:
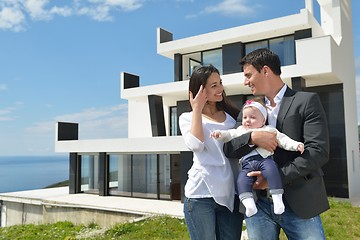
(240, 146)
(316, 140)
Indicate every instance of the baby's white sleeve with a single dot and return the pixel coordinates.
(230, 134)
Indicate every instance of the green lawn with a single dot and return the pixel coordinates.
(341, 222)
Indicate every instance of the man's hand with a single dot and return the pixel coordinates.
(300, 148)
(260, 183)
(264, 139)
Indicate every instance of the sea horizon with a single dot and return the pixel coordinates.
(21, 173)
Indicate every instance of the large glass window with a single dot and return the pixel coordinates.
(192, 65)
(140, 175)
(145, 175)
(120, 175)
(249, 47)
(173, 121)
(336, 174)
(192, 60)
(189, 63)
(164, 175)
(89, 173)
(213, 57)
(284, 47)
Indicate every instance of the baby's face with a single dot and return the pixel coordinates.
(252, 118)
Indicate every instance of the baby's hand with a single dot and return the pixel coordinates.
(215, 134)
(300, 148)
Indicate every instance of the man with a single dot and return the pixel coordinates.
(301, 116)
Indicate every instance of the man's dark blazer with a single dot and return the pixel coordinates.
(302, 118)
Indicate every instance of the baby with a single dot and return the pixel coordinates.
(254, 116)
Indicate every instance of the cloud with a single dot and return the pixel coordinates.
(3, 87)
(7, 114)
(94, 123)
(37, 10)
(6, 118)
(12, 19)
(126, 5)
(15, 14)
(99, 13)
(231, 8)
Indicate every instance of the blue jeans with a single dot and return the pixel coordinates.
(207, 220)
(265, 225)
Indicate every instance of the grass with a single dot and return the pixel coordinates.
(340, 222)
(59, 230)
(164, 227)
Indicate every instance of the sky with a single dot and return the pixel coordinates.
(60, 60)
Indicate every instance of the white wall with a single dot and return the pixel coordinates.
(139, 119)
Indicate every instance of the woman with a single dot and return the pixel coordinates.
(210, 189)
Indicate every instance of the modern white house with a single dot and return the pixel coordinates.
(317, 56)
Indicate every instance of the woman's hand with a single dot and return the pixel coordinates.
(198, 103)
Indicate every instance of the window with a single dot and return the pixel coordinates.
(144, 175)
(164, 176)
(120, 174)
(173, 121)
(190, 61)
(284, 47)
(249, 47)
(213, 57)
(89, 173)
(140, 175)
(192, 65)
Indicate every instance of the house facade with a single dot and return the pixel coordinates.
(316, 55)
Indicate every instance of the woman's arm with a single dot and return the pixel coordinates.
(197, 104)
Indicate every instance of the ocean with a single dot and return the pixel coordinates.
(32, 172)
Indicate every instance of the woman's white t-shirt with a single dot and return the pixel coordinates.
(211, 173)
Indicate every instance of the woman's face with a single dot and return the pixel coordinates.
(214, 88)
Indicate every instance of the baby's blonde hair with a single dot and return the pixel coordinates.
(258, 104)
(256, 99)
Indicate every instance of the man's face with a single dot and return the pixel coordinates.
(255, 80)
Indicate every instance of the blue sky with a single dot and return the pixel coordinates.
(60, 60)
